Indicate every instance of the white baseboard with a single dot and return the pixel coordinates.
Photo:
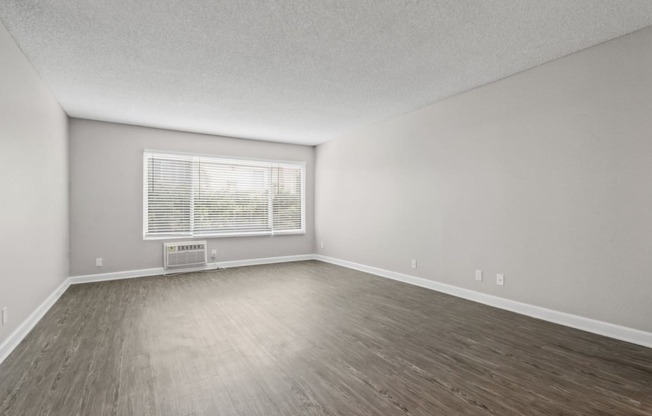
(28, 324)
(157, 271)
(265, 260)
(634, 336)
(622, 333)
(128, 274)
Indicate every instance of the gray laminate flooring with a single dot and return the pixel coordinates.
(309, 338)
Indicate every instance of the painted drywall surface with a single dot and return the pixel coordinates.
(106, 195)
(543, 176)
(34, 201)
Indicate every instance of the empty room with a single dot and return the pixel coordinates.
(356, 208)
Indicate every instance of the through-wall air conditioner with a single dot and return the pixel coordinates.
(184, 254)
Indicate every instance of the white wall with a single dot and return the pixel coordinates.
(544, 176)
(34, 187)
(106, 195)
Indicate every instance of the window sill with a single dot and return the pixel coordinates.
(205, 236)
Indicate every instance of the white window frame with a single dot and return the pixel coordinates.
(226, 159)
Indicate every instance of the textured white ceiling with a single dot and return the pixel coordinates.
(302, 71)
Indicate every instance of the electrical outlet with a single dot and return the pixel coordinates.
(98, 262)
(213, 254)
(500, 279)
(478, 275)
(4, 316)
(414, 263)
(321, 244)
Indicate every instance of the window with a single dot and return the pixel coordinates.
(202, 196)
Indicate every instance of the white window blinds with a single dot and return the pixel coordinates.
(187, 195)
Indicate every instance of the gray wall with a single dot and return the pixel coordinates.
(544, 176)
(106, 195)
(34, 189)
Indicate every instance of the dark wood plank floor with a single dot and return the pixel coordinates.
(309, 338)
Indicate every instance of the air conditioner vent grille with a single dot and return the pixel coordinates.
(184, 254)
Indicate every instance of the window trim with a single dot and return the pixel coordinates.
(262, 162)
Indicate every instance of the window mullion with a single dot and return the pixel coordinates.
(270, 200)
(194, 191)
